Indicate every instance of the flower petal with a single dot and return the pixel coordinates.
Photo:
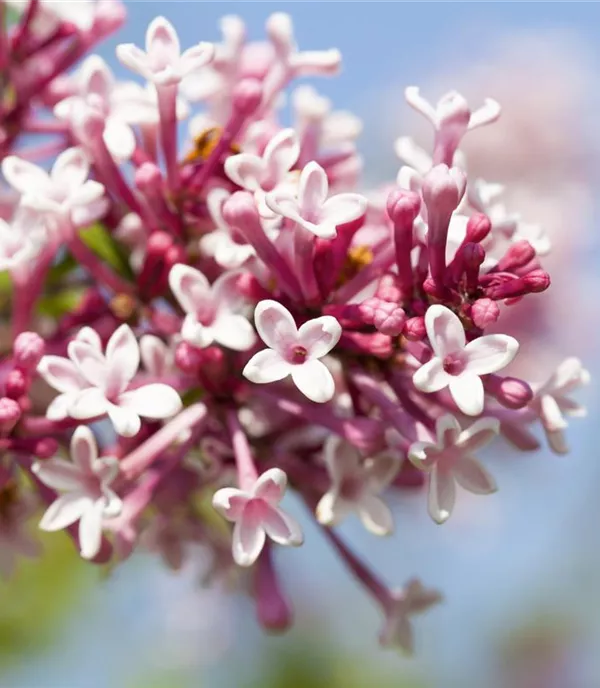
(61, 374)
(447, 430)
(266, 366)
(156, 400)
(195, 333)
(234, 332)
(282, 528)
(24, 176)
(431, 376)
(122, 359)
(281, 153)
(70, 170)
(319, 335)
(343, 208)
(314, 380)
(248, 540)
(275, 325)
(88, 404)
(64, 511)
(467, 391)
(442, 495)
(125, 421)
(270, 486)
(155, 355)
(340, 458)
(89, 361)
(90, 530)
(444, 329)
(245, 170)
(190, 287)
(478, 434)
(59, 474)
(375, 515)
(230, 502)
(332, 509)
(490, 353)
(471, 475)
(381, 470)
(119, 139)
(84, 450)
(312, 189)
(162, 44)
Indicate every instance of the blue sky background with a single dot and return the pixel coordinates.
(538, 549)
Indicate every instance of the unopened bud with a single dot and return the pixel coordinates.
(247, 96)
(10, 413)
(45, 448)
(16, 384)
(518, 255)
(403, 206)
(28, 350)
(510, 391)
(188, 358)
(478, 227)
(414, 329)
(484, 312)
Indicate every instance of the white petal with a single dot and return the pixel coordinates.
(84, 450)
(332, 510)
(134, 58)
(471, 475)
(248, 541)
(122, 359)
(271, 486)
(490, 353)
(195, 333)
(467, 391)
(71, 170)
(444, 329)
(381, 470)
(234, 332)
(245, 170)
(551, 414)
(340, 458)
(442, 495)
(89, 361)
(190, 287)
(155, 355)
(376, 515)
(314, 380)
(320, 335)
(266, 366)
(312, 189)
(343, 208)
(90, 530)
(152, 401)
(60, 373)
(416, 101)
(275, 325)
(478, 434)
(119, 139)
(431, 376)
(282, 528)
(281, 153)
(58, 408)
(88, 404)
(230, 502)
(162, 43)
(24, 176)
(423, 455)
(67, 509)
(125, 421)
(59, 474)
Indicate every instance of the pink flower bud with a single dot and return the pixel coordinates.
(414, 328)
(188, 358)
(16, 384)
(148, 178)
(478, 227)
(484, 312)
(518, 255)
(443, 187)
(537, 281)
(10, 413)
(110, 16)
(509, 391)
(28, 350)
(389, 319)
(389, 288)
(45, 448)
(403, 206)
(247, 96)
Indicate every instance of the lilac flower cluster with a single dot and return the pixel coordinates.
(271, 329)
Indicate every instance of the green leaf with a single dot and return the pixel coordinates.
(101, 242)
(56, 305)
(65, 265)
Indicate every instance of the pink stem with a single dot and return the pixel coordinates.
(247, 473)
(167, 109)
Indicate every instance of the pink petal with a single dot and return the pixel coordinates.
(266, 366)
(89, 361)
(445, 331)
(381, 470)
(58, 408)
(471, 475)
(234, 332)
(195, 58)
(281, 153)
(467, 391)
(190, 287)
(270, 486)
(125, 421)
(59, 474)
(488, 113)
(248, 538)
(431, 377)
(70, 171)
(226, 292)
(122, 359)
(340, 458)
(90, 336)
(442, 495)
(478, 434)
(416, 101)
(343, 208)
(398, 632)
(490, 353)
(230, 502)
(152, 401)
(162, 44)
(61, 374)
(135, 59)
(84, 450)
(282, 528)
(319, 335)
(88, 404)
(447, 430)
(376, 515)
(312, 189)
(423, 455)
(245, 170)
(119, 139)
(155, 355)
(64, 511)
(275, 326)
(107, 468)
(314, 380)
(96, 78)
(24, 176)
(90, 530)
(284, 203)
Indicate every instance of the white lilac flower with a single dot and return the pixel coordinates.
(294, 351)
(448, 461)
(452, 110)
(256, 514)
(21, 239)
(356, 485)
(85, 486)
(458, 365)
(212, 311)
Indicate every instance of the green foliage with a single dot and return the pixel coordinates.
(56, 305)
(100, 241)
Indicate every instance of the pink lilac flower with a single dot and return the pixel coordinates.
(21, 239)
(294, 351)
(213, 311)
(85, 486)
(356, 485)
(256, 514)
(458, 365)
(448, 461)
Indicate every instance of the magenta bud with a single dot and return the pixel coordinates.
(478, 227)
(518, 255)
(247, 96)
(537, 280)
(473, 255)
(414, 328)
(403, 206)
(240, 209)
(188, 358)
(148, 178)
(46, 448)
(510, 391)
(484, 312)
(16, 384)
(443, 187)
(28, 350)
(389, 319)
(10, 413)
(388, 288)
(158, 244)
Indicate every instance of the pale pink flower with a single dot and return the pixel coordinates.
(61, 192)
(87, 496)
(21, 239)
(15, 540)
(213, 311)
(294, 351)
(163, 62)
(356, 485)
(311, 208)
(448, 461)
(256, 514)
(157, 356)
(458, 365)
(413, 599)
(262, 173)
(552, 402)
(108, 377)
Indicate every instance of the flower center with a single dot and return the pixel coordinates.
(298, 354)
(454, 364)
(351, 488)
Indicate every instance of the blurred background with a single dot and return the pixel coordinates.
(520, 570)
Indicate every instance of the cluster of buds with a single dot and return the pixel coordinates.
(245, 323)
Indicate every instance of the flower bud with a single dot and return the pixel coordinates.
(478, 227)
(188, 358)
(45, 448)
(484, 312)
(16, 384)
(10, 413)
(28, 350)
(509, 391)
(403, 206)
(247, 96)
(414, 328)
(518, 255)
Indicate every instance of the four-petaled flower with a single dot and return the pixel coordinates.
(459, 365)
(87, 496)
(552, 403)
(21, 239)
(294, 351)
(163, 62)
(256, 514)
(356, 484)
(261, 174)
(452, 110)
(448, 461)
(107, 378)
(311, 208)
(212, 310)
(412, 599)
